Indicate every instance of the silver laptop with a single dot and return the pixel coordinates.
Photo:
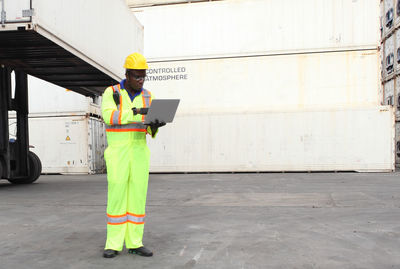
(162, 110)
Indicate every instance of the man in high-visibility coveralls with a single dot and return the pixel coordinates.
(127, 158)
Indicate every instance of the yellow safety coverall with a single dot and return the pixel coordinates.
(127, 159)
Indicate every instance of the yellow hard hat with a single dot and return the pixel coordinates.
(135, 61)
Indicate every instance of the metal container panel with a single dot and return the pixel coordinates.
(47, 98)
(397, 51)
(390, 62)
(382, 61)
(97, 145)
(98, 40)
(13, 10)
(274, 82)
(397, 13)
(258, 27)
(304, 140)
(388, 98)
(67, 144)
(389, 16)
(397, 98)
(382, 18)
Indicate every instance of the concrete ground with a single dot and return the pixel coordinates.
(292, 220)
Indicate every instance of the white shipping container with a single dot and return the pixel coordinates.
(389, 92)
(45, 97)
(298, 140)
(389, 16)
(14, 10)
(258, 27)
(283, 82)
(67, 144)
(96, 42)
(390, 62)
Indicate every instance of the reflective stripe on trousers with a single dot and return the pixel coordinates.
(122, 219)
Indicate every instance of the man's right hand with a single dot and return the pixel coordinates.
(142, 111)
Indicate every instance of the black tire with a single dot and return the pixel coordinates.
(35, 167)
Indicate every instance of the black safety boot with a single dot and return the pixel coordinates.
(142, 251)
(110, 253)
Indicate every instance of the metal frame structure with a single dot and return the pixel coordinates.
(15, 163)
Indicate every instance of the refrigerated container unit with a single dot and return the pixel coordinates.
(389, 89)
(397, 14)
(329, 139)
(397, 51)
(67, 144)
(284, 94)
(389, 17)
(389, 54)
(392, 95)
(312, 26)
(396, 98)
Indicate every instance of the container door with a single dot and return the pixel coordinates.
(389, 15)
(389, 45)
(397, 98)
(397, 50)
(96, 146)
(16, 11)
(389, 93)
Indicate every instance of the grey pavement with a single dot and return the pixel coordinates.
(266, 220)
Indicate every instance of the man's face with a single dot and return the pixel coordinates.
(135, 79)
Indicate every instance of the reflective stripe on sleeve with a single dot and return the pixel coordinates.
(114, 117)
(146, 98)
(116, 89)
(120, 109)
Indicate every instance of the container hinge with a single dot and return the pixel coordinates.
(28, 12)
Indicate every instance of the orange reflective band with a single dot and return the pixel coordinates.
(129, 221)
(116, 216)
(125, 130)
(111, 118)
(109, 223)
(120, 108)
(135, 215)
(144, 105)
